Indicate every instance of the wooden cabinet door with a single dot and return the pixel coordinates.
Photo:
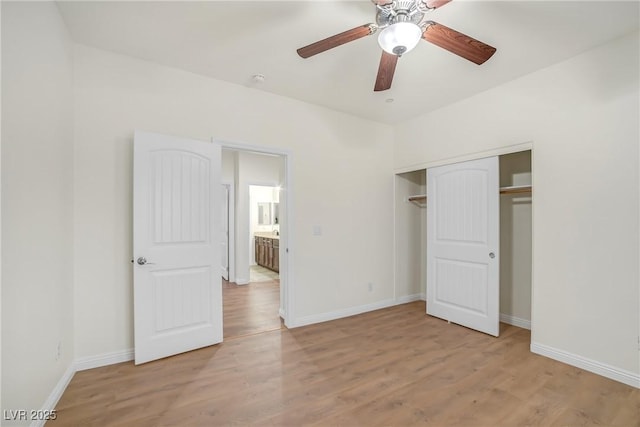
(257, 249)
(269, 263)
(261, 252)
(268, 253)
(276, 259)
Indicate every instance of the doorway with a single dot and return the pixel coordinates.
(177, 189)
(255, 293)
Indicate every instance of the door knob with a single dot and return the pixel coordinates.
(143, 261)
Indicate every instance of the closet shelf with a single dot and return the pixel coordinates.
(421, 199)
(418, 198)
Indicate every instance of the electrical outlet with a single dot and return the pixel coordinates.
(58, 350)
(370, 286)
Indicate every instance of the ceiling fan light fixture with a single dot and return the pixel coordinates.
(399, 38)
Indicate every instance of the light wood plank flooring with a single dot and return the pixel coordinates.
(250, 309)
(391, 367)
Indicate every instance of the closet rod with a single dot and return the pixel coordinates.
(516, 189)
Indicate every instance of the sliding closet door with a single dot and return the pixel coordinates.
(462, 244)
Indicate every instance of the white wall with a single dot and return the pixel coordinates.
(515, 239)
(37, 203)
(342, 173)
(229, 160)
(583, 118)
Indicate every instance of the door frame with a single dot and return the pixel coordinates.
(231, 244)
(287, 284)
(508, 149)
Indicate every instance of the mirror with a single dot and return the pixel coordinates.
(275, 216)
(268, 213)
(264, 213)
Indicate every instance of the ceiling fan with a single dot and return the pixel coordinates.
(403, 23)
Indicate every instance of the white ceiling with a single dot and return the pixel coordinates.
(233, 40)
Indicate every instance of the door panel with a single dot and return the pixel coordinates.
(181, 197)
(462, 244)
(177, 284)
(180, 297)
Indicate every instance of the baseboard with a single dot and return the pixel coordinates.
(409, 298)
(352, 311)
(242, 281)
(515, 321)
(56, 393)
(611, 372)
(105, 359)
(339, 314)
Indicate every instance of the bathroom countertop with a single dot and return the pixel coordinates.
(267, 234)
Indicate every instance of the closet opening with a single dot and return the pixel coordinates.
(515, 237)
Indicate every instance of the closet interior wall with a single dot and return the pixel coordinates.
(515, 238)
(410, 236)
(515, 241)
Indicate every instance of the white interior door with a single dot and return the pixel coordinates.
(176, 245)
(462, 244)
(224, 235)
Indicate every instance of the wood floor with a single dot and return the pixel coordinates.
(250, 309)
(391, 367)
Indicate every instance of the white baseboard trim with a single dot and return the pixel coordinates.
(339, 314)
(56, 393)
(409, 298)
(515, 321)
(242, 281)
(608, 371)
(81, 364)
(352, 311)
(105, 359)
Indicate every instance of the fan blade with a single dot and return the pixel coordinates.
(458, 43)
(385, 71)
(337, 40)
(434, 4)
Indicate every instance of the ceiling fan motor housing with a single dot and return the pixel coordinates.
(401, 11)
(400, 21)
